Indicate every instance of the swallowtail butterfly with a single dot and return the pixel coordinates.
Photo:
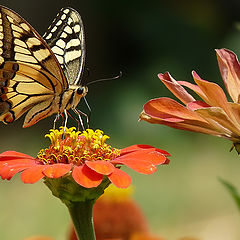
(37, 76)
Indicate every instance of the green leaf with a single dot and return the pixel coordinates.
(232, 190)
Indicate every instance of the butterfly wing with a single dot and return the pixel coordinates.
(65, 36)
(30, 75)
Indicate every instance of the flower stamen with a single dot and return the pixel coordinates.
(71, 146)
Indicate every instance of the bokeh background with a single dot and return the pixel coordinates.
(140, 38)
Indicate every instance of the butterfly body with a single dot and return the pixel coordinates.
(37, 76)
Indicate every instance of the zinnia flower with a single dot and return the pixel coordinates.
(213, 114)
(85, 156)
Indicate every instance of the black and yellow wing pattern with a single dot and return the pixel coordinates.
(32, 75)
(66, 38)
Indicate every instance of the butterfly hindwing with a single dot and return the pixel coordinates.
(65, 36)
(20, 92)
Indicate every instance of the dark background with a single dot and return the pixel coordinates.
(141, 39)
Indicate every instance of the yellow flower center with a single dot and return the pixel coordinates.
(71, 146)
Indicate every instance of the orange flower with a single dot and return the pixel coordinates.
(213, 114)
(85, 156)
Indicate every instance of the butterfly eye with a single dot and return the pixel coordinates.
(80, 90)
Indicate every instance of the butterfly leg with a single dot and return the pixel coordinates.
(80, 118)
(55, 120)
(65, 119)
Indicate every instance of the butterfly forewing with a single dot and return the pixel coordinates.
(21, 43)
(65, 36)
(30, 74)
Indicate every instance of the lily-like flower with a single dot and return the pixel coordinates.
(213, 114)
(85, 156)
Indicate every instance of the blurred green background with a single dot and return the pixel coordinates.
(140, 38)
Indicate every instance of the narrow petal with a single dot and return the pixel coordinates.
(176, 88)
(169, 110)
(219, 120)
(194, 88)
(100, 166)
(230, 70)
(33, 174)
(86, 177)
(197, 105)
(120, 179)
(215, 96)
(57, 170)
(188, 124)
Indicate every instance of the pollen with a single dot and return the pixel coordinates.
(71, 146)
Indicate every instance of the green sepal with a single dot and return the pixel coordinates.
(69, 191)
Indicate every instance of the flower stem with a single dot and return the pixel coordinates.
(81, 213)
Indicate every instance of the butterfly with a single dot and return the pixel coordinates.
(40, 75)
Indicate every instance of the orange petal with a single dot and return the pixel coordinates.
(169, 110)
(151, 156)
(176, 88)
(11, 155)
(215, 96)
(33, 174)
(194, 88)
(230, 71)
(12, 163)
(138, 147)
(86, 177)
(8, 172)
(220, 121)
(120, 179)
(197, 105)
(100, 166)
(141, 161)
(57, 170)
(190, 125)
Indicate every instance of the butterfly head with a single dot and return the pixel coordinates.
(79, 92)
(82, 91)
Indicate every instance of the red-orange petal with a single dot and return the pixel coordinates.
(120, 179)
(86, 177)
(57, 170)
(136, 162)
(135, 147)
(8, 172)
(33, 174)
(100, 166)
(151, 155)
(140, 147)
(11, 155)
(17, 163)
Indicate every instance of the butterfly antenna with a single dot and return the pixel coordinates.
(105, 79)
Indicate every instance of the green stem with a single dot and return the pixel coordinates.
(81, 213)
